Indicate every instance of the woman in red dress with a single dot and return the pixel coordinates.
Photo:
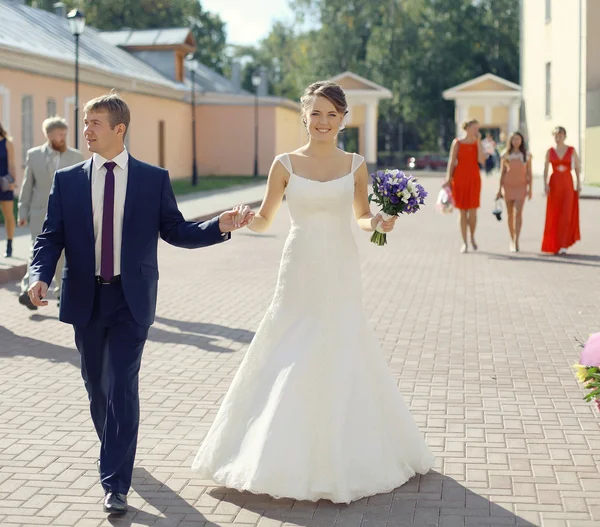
(464, 178)
(562, 208)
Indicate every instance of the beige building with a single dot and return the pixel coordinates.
(148, 69)
(561, 77)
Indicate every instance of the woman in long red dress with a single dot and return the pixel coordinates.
(464, 178)
(562, 208)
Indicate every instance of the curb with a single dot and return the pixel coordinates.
(14, 274)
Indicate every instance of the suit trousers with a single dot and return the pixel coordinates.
(111, 346)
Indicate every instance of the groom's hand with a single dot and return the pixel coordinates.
(37, 293)
(231, 220)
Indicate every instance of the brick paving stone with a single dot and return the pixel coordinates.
(481, 346)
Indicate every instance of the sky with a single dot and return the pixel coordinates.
(248, 21)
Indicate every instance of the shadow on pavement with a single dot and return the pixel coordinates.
(568, 259)
(173, 508)
(433, 500)
(198, 334)
(13, 345)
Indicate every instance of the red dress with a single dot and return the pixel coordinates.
(466, 181)
(562, 208)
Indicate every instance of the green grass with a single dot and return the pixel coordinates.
(205, 183)
(184, 186)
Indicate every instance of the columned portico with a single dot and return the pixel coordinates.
(363, 98)
(493, 101)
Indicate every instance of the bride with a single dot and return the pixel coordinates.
(313, 411)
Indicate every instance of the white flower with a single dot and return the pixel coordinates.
(405, 195)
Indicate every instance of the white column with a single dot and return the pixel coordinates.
(5, 94)
(462, 114)
(513, 117)
(371, 132)
(487, 115)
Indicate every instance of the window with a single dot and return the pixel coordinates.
(26, 125)
(51, 107)
(548, 89)
(548, 10)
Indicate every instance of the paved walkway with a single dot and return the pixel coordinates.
(481, 345)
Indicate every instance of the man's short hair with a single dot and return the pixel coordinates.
(54, 123)
(117, 109)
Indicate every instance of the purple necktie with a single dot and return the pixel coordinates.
(107, 267)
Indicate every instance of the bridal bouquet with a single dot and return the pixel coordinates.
(396, 193)
(588, 368)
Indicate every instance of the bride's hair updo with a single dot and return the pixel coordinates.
(330, 90)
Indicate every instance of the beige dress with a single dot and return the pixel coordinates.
(514, 185)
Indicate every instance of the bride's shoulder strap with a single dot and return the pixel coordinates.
(284, 159)
(357, 160)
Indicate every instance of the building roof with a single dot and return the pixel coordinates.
(209, 81)
(44, 34)
(147, 37)
(487, 84)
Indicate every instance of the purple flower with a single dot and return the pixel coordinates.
(395, 199)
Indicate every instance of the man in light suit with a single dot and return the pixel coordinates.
(40, 166)
(107, 214)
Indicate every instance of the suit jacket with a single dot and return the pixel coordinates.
(150, 210)
(39, 171)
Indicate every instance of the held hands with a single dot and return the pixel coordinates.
(232, 220)
(37, 293)
(386, 226)
(22, 223)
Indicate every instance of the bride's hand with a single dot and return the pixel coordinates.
(387, 226)
(236, 218)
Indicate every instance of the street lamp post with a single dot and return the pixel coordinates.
(77, 25)
(256, 81)
(192, 65)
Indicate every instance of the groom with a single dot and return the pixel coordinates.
(107, 213)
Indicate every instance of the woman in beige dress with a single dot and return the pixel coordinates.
(515, 185)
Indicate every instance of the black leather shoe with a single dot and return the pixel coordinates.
(24, 300)
(115, 503)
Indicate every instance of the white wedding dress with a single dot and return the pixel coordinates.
(313, 411)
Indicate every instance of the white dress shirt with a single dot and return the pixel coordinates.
(98, 178)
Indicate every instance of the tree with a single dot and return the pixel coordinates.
(111, 15)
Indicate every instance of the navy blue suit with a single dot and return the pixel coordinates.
(111, 321)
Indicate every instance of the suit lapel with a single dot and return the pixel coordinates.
(133, 174)
(86, 192)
